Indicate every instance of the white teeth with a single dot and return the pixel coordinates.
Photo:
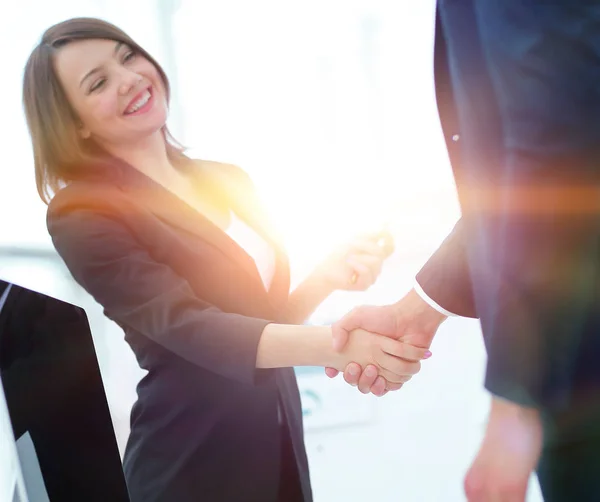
(139, 103)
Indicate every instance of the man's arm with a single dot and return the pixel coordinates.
(444, 281)
(442, 289)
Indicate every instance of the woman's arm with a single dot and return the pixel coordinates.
(354, 267)
(290, 345)
(149, 297)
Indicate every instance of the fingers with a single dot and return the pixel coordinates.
(379, 387)
(396, 370)
(371, 382)
(331, 372)
(368, 247)
(390, 387)
(367, 379)
(394, 379)
(375, 243)
(352, 374)
(403, 350)
(364, 276)
(365, 257)
(367, 268)
(386, 242)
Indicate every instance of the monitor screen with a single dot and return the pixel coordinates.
(54, 400)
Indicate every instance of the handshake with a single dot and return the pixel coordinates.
(379, 349)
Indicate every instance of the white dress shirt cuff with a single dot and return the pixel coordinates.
(417, 287)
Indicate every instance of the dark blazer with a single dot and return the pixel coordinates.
(54, 392)
(193, 306)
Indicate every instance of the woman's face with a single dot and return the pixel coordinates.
(118, 95)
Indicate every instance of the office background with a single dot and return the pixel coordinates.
(329, 105)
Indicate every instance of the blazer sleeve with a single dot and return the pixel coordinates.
(445, 277)
(149, 297)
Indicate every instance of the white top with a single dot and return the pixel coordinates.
(258, 248)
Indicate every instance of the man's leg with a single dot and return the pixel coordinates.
(570, 468)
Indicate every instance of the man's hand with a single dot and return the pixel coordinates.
(411, 320)
(508, 455)
(395, 361)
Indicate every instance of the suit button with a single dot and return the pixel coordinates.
(455, 137)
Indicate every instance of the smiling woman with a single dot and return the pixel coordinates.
(64, 77)
(112, 116)
(180, 253)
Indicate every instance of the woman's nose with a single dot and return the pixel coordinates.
(128, 82)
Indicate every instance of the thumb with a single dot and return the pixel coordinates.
(341, 329)
(340, 335)
(331, 372)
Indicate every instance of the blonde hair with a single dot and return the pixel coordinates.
(58, 149)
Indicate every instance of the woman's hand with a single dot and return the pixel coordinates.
(356, 266)
(395, 361)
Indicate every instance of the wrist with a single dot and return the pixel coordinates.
(414, 303)
(503, 408)
(283, 345)
(319, 282)
(318, 348)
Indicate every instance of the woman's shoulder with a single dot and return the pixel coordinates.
(81, 194)
(84, 211)
(83, 203)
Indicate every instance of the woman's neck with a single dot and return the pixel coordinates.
(149, 157)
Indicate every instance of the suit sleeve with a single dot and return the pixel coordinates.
(445, 276)
(149, 297)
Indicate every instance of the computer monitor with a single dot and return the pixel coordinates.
(62, 433)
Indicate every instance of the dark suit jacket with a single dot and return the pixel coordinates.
(540, 345)
(54, 391)
(193, 307)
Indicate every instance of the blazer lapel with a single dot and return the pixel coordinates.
(174, 211)
(245, 203)
(169, 208)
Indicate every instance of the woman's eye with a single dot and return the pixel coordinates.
(97, 85)
(129, 56)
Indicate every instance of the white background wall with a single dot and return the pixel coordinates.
(329, 105)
